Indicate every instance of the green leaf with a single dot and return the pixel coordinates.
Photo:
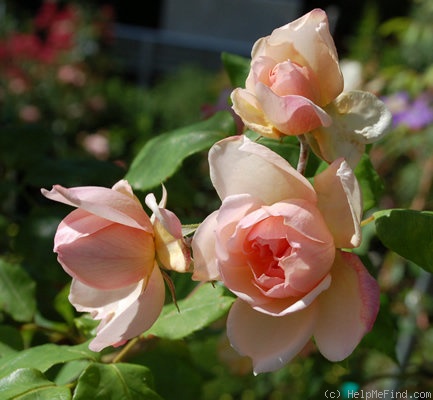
(30, 384)
(161, 156)
(408, 233)
(237, 68)
(17, 292)
(370, 182)
(44, 357)
(115, 381)
(204, 306)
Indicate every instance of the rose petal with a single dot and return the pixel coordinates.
(77, 224)
(246, 105)
(167, 218)
(348, 309)
(306, 41)
(359, 118)
(303, 229)
(203, 249)
(125, 315)
(238, 165)
(340, 201)
(291, 114)
(232, 210)
(170, 247)
(271, 342)
(108, 259)
(114, 205)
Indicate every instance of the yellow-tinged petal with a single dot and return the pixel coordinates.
(171, 252)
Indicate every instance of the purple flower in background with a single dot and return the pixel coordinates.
(415, 114)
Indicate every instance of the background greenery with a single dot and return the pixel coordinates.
(68, 115)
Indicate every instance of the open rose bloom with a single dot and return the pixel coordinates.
(109, 246)
(276, 244)
(295, 87)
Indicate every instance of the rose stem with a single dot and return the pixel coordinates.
(304, 151)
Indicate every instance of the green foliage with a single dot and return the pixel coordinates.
(17, 292)
(162, 155)
(46, 128)
(115, 381)
(237, 68)
(44, 357)
(409, 233)
(371, 183)
(205, 305)
(29, 383)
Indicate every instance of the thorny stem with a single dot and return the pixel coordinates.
(304, 151)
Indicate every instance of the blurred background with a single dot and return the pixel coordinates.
(84, 84)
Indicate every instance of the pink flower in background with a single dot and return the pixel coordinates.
(109, 246)
(275, 242)
(295, 86)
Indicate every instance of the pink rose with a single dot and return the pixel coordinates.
(109, 246)
(275, 243)
(295, 86)
(294, 73)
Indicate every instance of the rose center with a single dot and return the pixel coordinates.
(266, 244)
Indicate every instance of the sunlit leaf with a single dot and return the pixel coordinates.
(17, 292)
(115, 381)
(30, 384)
(44, 357)
(161, 156)
(408, 233)
(204, 306)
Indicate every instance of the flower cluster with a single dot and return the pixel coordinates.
(48, 55)
(281, 243)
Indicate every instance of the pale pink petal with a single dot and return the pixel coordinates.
(271, 342)
(114, 205)
(238, 165)
(309, 244)
(291, 114)
(239, 281)
(246, 105)
(307, 41)
(77, 224)
(340, 201)
(127, 312)
(232, 210)
(112, 257)
(260, 71)
(348, 309)
(289, 78)
(203, 249)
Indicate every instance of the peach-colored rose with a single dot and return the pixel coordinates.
(295, 87)
(276, 243)
(294, 73)
(109, 246)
